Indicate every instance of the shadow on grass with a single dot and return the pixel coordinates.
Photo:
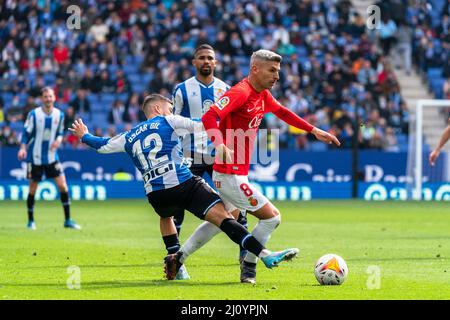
(148, 265)
(120, 284)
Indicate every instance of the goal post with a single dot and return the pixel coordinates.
(417, 158)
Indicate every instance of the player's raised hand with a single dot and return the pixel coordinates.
(433, 156)
(79, 128)
(224, 154)
(325, 136)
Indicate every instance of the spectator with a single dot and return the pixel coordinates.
(8, 137)
(2, 114)
(99, 31)
(324, 73)
(81, 104)
(390, 142)
(116, 115)
(386, 33)
(60, 53)
(105, 83)
(404, 46)
(122, 83)
(69, 117)
(133, 113)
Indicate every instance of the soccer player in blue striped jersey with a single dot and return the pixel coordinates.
(41, 137)
(192, 99)
(155, 149)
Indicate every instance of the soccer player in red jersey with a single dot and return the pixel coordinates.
(241, 110)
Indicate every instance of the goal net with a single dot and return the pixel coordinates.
(426, 125)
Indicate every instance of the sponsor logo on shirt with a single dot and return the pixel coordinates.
(255, 122)
(222, 103)
(257, 107)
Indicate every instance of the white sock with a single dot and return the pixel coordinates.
(264, 253)
(262, 233)
(205, 232)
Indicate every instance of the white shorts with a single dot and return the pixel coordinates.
(238, 193)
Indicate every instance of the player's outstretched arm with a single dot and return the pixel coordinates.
(444, 138)
(294, 120)
(102, 145)
(325, 136)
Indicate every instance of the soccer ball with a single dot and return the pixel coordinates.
(330, 269)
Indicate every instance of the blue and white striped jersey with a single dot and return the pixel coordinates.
(155, 149)
(39, 133)
(192, 99)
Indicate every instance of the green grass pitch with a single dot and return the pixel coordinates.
(119, 253)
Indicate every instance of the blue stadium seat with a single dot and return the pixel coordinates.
(97, 107)
(245, 69)
(436, 85)
(402, 139)
(93, 98)
(138, 60)
(7, 97)
(317, 146)
(139, 87)
(113, 69)
(100, 119)
(122, 97)
(302, 51)
(134, 77)
(131, 68)
(107, 99)
(147, 77)
(49, 78)
(260, 32)
(16, 126)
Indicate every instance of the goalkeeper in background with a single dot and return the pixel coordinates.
(444, 138)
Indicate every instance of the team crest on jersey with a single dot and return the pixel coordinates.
(253, 202)
(207, 104)
(222, 103)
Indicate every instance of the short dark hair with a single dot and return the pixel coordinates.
(154, 97)
(204, 46)
(45, 89)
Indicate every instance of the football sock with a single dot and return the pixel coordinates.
(178, 219)
(241, 236)
(66, 204)
(172, 243)
(262, 233)
(30, 207)
(242, 219)
(205, 232)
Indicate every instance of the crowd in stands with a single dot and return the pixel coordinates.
(333, 72)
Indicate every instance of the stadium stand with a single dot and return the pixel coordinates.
(127, 49)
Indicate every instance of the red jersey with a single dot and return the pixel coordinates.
(241, 110)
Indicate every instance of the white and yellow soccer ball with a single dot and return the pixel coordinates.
(330, 269)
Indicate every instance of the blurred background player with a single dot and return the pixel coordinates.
(42, 135)
(166, 177)
(444, 138)
(192, 99)
(241, 109)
